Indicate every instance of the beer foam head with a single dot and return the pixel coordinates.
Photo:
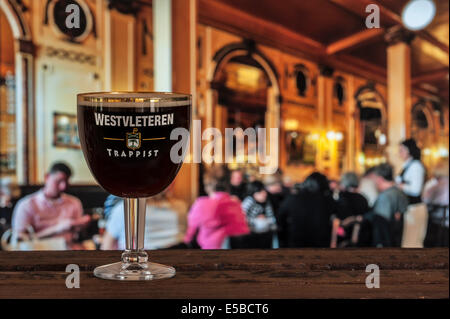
(133, 99)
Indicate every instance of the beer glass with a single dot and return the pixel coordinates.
(127, 144)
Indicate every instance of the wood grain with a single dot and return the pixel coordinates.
(283, 273)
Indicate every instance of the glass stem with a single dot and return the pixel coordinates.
(134, 231)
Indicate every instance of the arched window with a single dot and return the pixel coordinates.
(422, 126)
(437, 107)
(339, 91)
(302, 79)
(372, 124)
(419, 118)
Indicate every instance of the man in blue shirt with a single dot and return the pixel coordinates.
(388, 210)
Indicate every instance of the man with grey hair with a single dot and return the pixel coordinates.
(349, 181)
(387, 213)
(351, 204)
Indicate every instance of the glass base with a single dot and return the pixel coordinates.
(134, 271)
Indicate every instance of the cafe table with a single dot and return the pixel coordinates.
(255, 274)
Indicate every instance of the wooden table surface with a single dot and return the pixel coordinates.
(282, 273)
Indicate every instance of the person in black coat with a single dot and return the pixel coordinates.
(238, 186)
(306, 215)
(350, 205)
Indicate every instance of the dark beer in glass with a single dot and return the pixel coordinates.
(126, 141)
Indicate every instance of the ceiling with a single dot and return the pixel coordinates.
(328, 21)
(310, 18)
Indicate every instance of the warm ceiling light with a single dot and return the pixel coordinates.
(417, 14)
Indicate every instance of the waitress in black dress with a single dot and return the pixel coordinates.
(411, 180)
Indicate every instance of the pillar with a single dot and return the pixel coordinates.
(327, 150)
(162, 44)
(350, 114)
(399, 91)
(184, 38)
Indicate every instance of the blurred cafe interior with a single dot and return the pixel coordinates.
(343, 91)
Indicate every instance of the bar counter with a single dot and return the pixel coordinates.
(282, 273)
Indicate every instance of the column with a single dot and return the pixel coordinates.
(399, 91)
(436, 125)
(162, 44)
(326, 149)
(120, 53)
(184, 37)
(351, 126)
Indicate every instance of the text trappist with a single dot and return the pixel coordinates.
(128, 148)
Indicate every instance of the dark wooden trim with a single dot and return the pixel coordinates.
(431, 76)
(358, 67)
(424, 34)
(124, 7)
(301, 104)
(326, 70)
(145, 3)
(355, 40)
(27, 46)
(246, 45)
(339, 112)
(227, 18)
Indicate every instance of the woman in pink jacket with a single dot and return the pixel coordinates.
(215, 217)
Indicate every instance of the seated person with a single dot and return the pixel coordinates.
(216, 217)
(50, 212)
(350, 204)
(367, 187)
(436, 196)
(305, 216)
(165, 224)
(277, 193)
(110, 202)
(388, 210)
(237, 184)
(257, 207)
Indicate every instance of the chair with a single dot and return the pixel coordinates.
(437, 232)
